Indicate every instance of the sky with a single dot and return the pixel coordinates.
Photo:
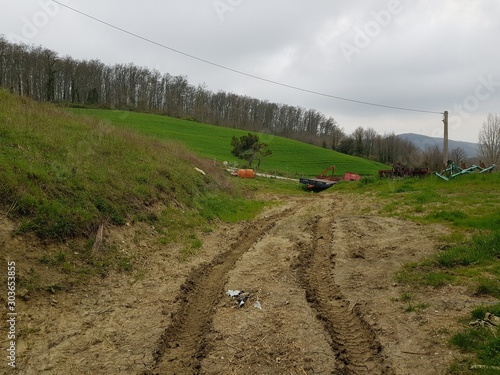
(427, 56)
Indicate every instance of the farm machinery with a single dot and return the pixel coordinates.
(452, 170)
(327, 179)
(399, 170)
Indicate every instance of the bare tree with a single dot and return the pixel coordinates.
(433, 158)
(369, 137)
(358, 135)
(458, 155)
(337, 135)
(408, 153)
(387, 148)
(41, 74)
(489, 139)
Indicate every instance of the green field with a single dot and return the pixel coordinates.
(290, 158)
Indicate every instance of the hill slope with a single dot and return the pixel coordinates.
(291, 158)
(62, 175)
(423, 141)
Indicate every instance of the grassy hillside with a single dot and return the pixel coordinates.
(62, 175)
(289, 157)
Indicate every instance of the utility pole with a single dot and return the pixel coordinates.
(445, 145)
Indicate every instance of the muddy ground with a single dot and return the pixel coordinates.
(318, 297)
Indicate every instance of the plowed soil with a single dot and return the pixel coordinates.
(318, 296)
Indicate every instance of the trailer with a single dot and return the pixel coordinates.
(325, 179)
(316, 183)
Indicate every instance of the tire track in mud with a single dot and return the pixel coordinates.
(183, 345)
(357, 348)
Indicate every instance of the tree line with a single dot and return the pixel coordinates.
(40, 73)
(390, 149)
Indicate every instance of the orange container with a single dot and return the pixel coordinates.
(246, 173)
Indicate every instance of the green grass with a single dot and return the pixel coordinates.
(483, 341)
(289, 158)
(62, 175)
(228, 210)
(470, 207)
(410, 304)
(484, 249)
(475, 263)
(469, 202)
(469, 255)
(191, 248)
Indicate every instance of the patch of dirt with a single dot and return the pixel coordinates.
(275, 332)
(356, 345)
(320, 298)
(184, 342)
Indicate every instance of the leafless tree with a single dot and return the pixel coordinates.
(489, 140)
(43, 75)
(358, 147)
(369, 137)
(432, 158)
(458, 155)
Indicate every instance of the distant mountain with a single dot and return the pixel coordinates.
(423, 141)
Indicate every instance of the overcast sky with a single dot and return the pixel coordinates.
(418, 54)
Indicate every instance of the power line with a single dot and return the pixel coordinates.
(239, 71)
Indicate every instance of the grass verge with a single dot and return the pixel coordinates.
(469, 254)
(483, 340)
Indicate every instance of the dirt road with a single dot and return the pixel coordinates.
(318, 296)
